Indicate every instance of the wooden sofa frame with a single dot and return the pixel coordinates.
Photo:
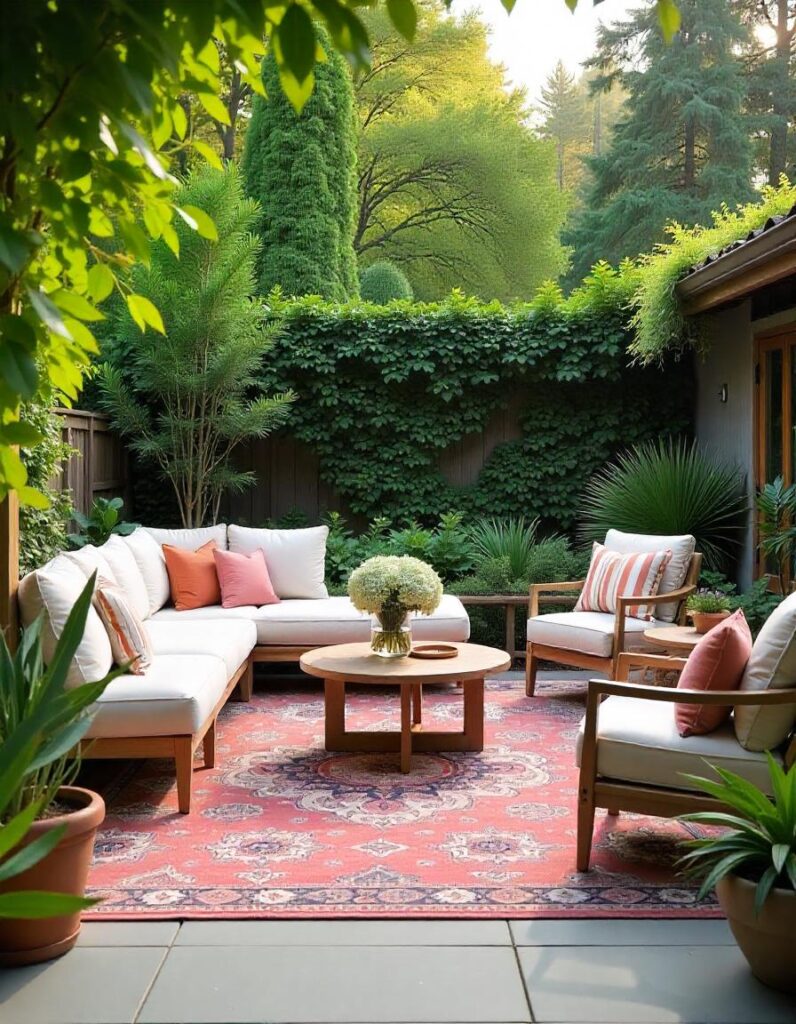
(616, 796)
(180, 747)
(535, 652)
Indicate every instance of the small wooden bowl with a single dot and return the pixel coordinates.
(433, 651)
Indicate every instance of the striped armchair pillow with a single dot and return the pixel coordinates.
(612, 575)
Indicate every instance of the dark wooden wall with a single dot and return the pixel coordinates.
(98, 469)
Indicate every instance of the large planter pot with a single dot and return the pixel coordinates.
(765, 939)
(705, 621)
(64, 869)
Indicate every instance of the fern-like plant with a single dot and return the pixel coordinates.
(669, 487)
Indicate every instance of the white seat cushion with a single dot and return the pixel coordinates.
(127, 575)
(587, 632)
(232, 641)
(173, 698)
(638, 741)
(207, 613)
(190, 540)
(336, 621)
(296, 559)
(54, 589)
(151, 562)
(682, 548)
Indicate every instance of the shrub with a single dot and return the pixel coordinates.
(383, 282)
(510, 541)
(669, 487)
(101, 523)
(42, 531)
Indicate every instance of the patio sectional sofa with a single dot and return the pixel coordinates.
(202, 655)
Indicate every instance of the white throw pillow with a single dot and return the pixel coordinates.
(296, 559)
(127, 574)
(54, 589)
(149, 558)
(682, 548)
(772, 666)
(90, 559)
(191, 540)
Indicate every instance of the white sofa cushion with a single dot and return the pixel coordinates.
(232, 641)
(190, 540)
(54, 589)
(316, 623)
(587, 632)
(638, 741)
(296, 559)
(90, 559)
(682, 548)
(174, 697)
(205, 613)
(772, 666)
(127, 575)
(151, 563)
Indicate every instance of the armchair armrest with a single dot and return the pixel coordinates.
(537, 589)
(642, 659)
(623, 603)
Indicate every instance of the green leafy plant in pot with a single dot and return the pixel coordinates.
(707, 608)
(47, 826)
(752, 867)
(101, 523)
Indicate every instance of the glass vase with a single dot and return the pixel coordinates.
(390, 635)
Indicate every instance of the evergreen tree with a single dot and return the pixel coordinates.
(186, 399)
(565, 109)
(301, 170)
(682, 148)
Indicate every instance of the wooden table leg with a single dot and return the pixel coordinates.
(334, 699)
(417, 704)
(406, 728)
(474, 713)
(510, 641)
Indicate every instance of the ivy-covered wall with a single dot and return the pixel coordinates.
(383, 390)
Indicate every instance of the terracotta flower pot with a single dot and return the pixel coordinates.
(705, 621)
(64, 869)
(765, 939)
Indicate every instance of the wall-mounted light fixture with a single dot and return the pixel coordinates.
(724, 393)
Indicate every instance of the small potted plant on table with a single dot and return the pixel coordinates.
(389, 588)
(707, 608)
(753, 867)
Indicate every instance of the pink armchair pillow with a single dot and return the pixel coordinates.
(243, 579)
(716, 663)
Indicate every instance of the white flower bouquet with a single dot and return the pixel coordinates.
(389, 587)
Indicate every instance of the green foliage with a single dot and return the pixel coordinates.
(709, 602)
(454, 185)
(757, 842)
(509, 542)
(383, 282)
(682, 148)
(384, 390)
(40, 724)
(100, 524)
(301, 171)
(658, 321)
(757, 603)
(42, 531)
(186, 399)
(669, 487)
(776, 508)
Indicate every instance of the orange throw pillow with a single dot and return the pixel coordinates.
(192, 576)
(716, 663)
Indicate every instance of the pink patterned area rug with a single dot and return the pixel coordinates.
(282, 829)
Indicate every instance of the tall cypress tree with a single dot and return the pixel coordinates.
(682, 148)
(301, 170)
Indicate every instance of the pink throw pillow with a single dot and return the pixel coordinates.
(244, 579)
(716, 663)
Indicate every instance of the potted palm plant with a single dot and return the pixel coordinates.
(47, 826)
(753, 867)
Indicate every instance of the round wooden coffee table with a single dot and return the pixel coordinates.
(673, 638)
(356, 663)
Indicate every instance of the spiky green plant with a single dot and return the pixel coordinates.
(511, 539)
(669, 487)
(776, 505)
(761, 843)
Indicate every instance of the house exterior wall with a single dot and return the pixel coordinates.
(727, 428)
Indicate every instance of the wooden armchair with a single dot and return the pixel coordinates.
(632, 758)
(593, 640)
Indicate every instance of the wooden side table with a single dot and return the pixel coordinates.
(682, 639)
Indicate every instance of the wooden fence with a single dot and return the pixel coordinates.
(98, 469)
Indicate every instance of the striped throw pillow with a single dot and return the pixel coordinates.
(127, 633)
(613, 575)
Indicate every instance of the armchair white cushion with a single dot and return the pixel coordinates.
(682, 547)
(587, 632)
(638, 741)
